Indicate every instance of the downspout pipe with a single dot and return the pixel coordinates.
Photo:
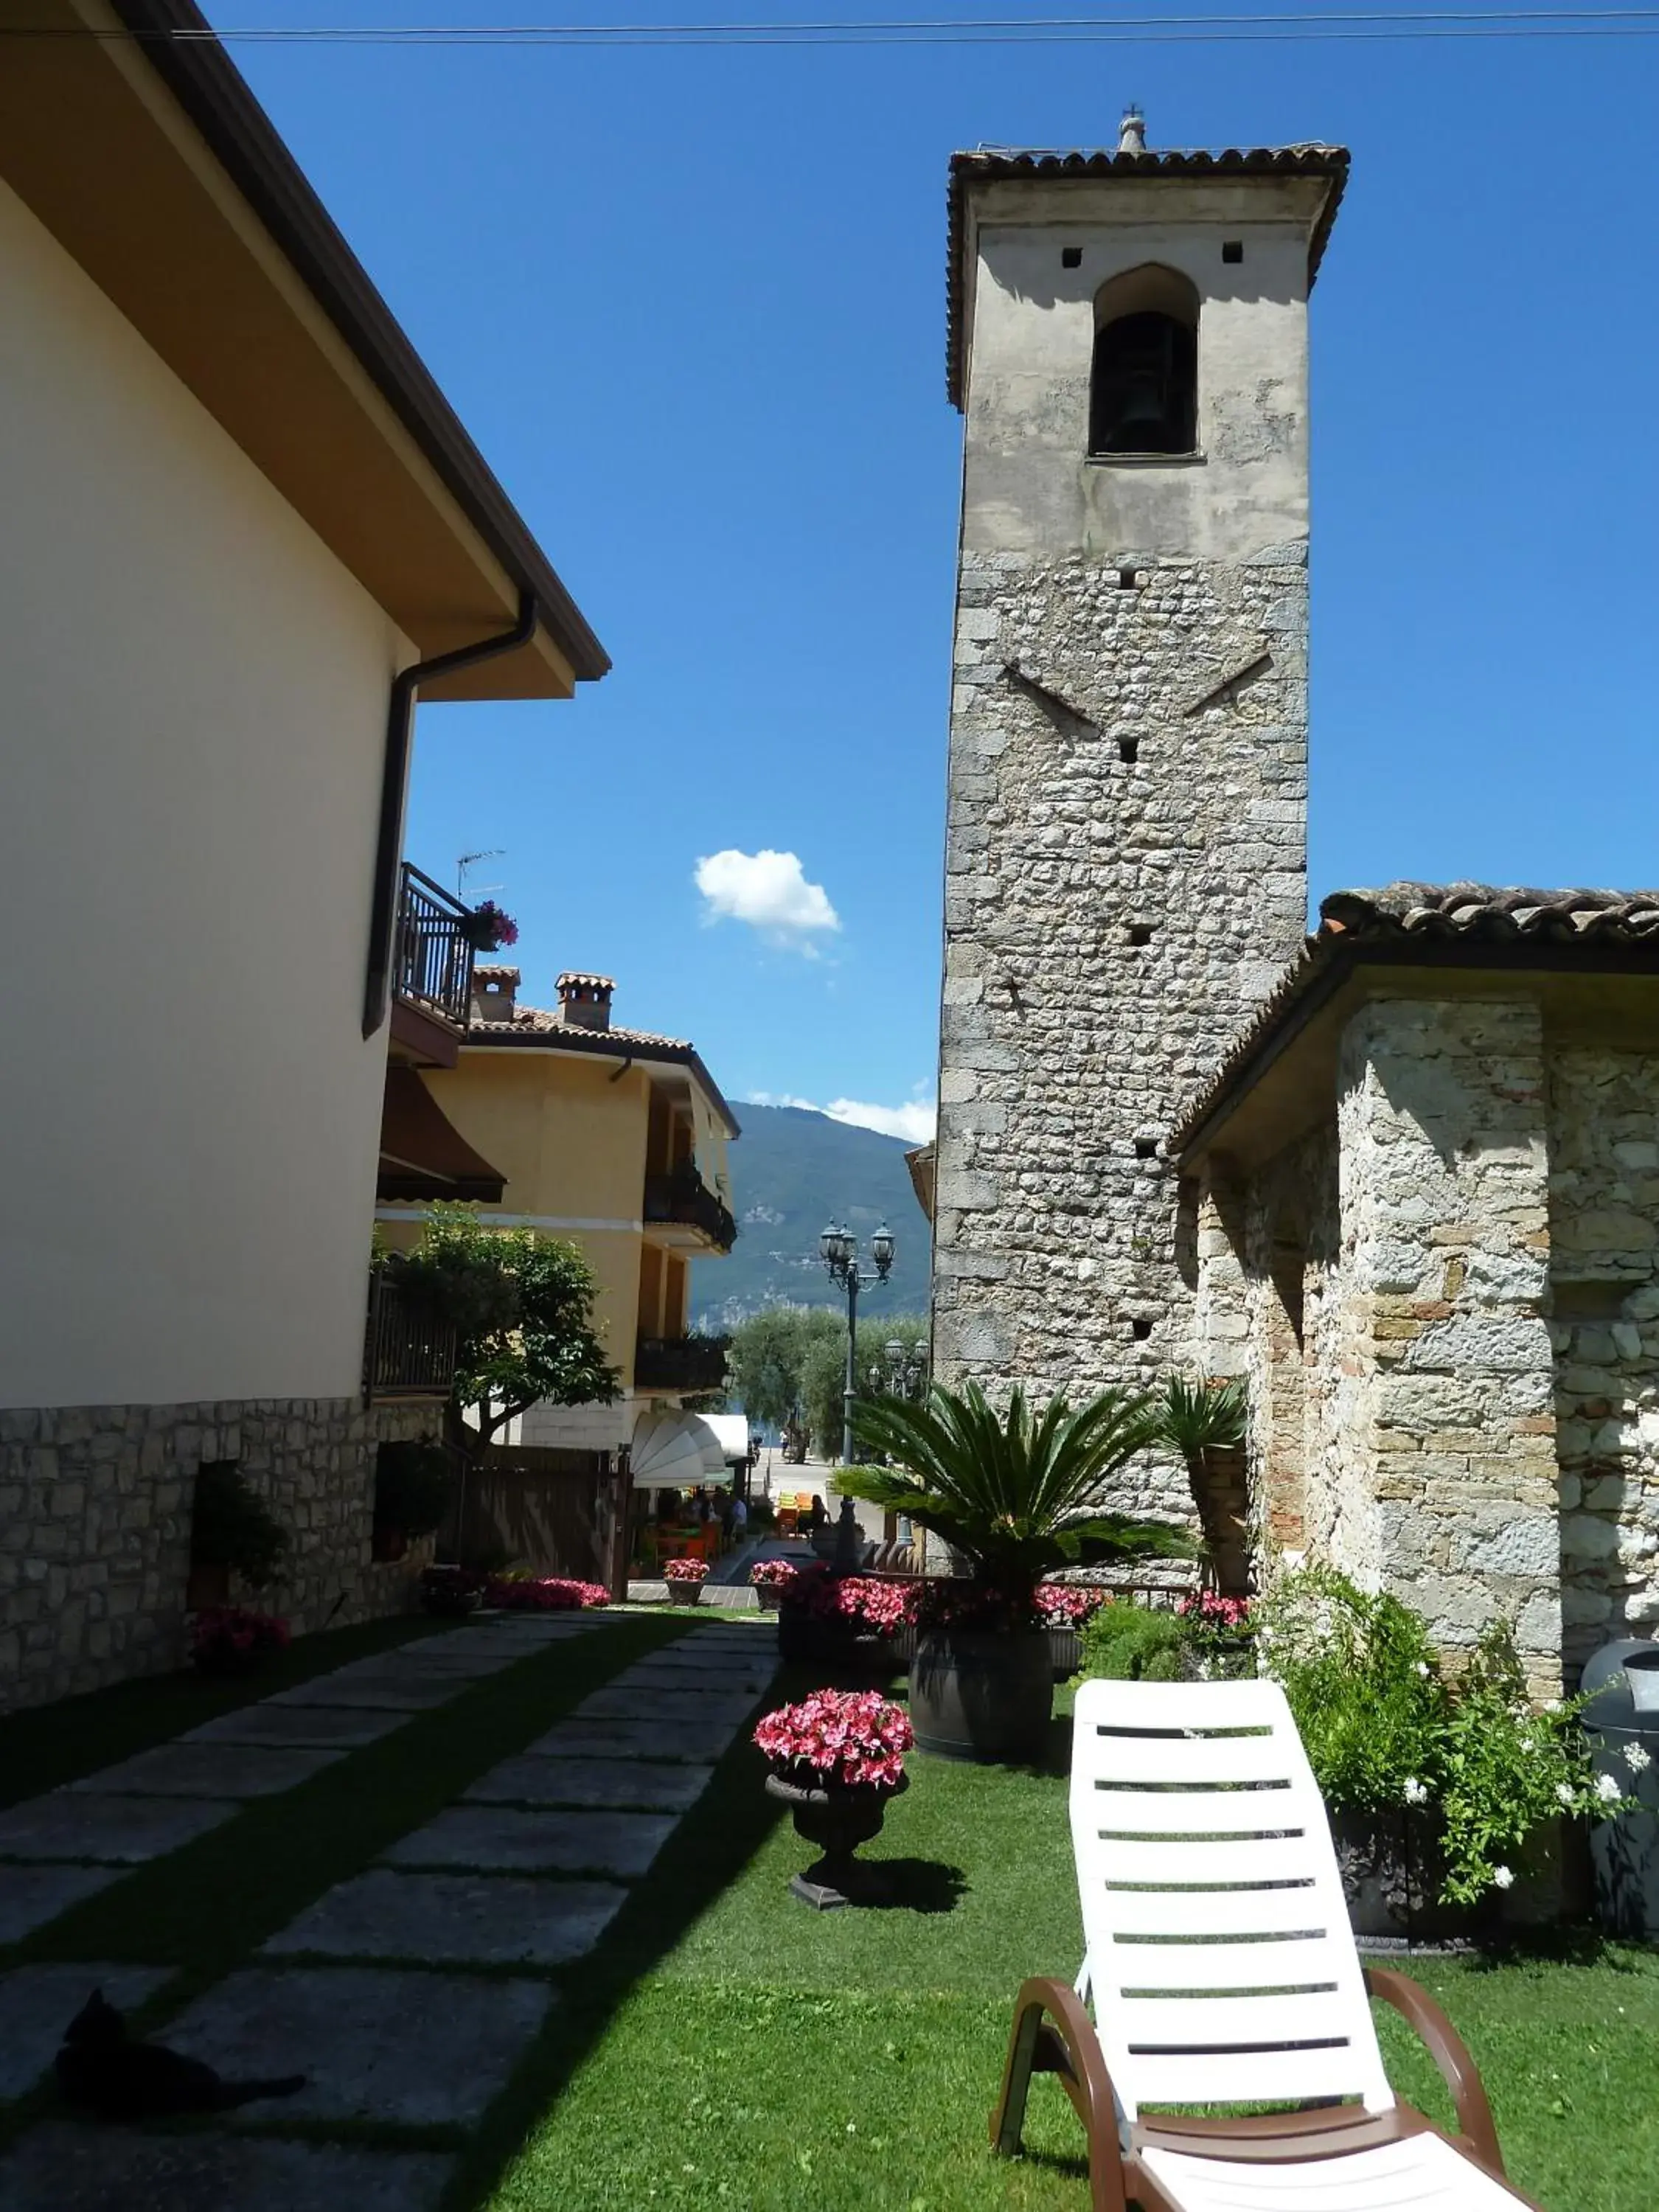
(394, 777)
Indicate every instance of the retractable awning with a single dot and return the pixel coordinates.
(675, 1451)
(422, 1154)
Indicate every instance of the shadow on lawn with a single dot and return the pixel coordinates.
(912, 1886)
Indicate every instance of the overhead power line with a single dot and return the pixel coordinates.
(1424, 24)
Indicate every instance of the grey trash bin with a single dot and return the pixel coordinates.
(1622, 1716)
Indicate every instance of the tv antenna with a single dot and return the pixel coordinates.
(465, 860)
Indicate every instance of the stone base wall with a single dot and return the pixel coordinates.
(1604, 1327)
(96, 1504)
(1125, 875)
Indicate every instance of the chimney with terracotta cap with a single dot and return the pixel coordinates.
(585, 1000)
(495, 990)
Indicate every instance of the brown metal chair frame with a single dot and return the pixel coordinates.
(1052, 2033)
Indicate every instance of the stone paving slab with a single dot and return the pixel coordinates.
(65, 2168)
(645, 1785)
(209, 1770)
(697, 1738)
(505, 1841)
(375, 2043)
(74, 1824)
(621, 1703)
(394, 1694)
(30, 1896)
(486, 1920)
(323, 1725)
(37, 2003)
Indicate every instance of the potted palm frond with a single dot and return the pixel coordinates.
(1019, 1494)
(1205, 1423)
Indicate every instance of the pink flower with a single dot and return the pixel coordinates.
(843, 1736)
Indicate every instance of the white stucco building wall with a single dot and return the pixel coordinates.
(194, 710)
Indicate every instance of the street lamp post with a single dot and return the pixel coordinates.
(838, 1249)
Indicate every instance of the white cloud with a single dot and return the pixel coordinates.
(767, 890)
(915, 1122)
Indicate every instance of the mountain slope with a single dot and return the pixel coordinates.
(792, 1171)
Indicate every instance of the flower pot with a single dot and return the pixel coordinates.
(982, 1694)
(1064, 1650)
(769, 1598)
(836, 1817)
(1392, 1869)
(685, 1593)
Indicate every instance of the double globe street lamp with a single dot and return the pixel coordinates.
(838, 1249)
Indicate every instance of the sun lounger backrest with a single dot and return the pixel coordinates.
(1220, 1959)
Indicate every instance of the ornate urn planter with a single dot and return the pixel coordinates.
(836, 1818)
(685, 1593)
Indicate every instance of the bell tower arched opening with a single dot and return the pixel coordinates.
(1143, 386)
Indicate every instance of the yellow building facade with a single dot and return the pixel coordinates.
(615, 1139)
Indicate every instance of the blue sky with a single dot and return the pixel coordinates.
(690, 305)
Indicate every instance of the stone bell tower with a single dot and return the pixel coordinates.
(1127, 843)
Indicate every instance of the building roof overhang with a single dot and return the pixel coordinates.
(640, 1046)
(130, 134)
(987, 165)
(1589, 959)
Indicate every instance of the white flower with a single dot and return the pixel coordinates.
(1636, 1758)
(1607, 1789)
(1415, 1792)
(1423, 1668)
(1502, 1877)
(1527, 1745)
(1563, 1794)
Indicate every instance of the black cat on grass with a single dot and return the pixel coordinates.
(103, 2070)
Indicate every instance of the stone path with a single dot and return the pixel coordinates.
(526, 1871)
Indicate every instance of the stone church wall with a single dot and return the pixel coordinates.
(94, 1528)
(1125, 876)
(1604, 1269)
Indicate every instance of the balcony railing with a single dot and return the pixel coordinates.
(684, 1198)
(680, 1363)
(409, 1351)
(432, 955)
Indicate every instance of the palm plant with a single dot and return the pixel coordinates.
(1199, 1420)
(1018, 1491)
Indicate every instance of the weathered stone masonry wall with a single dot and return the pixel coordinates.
(1604, 1271)
(1065, 1046)
(94, 1528)
(1447, 1415)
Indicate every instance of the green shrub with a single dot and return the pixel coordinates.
(231, 1526)
(413, 1484)
(1125, 1643)
(1385, 1730)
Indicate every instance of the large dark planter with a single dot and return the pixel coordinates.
(982, 1694)
(685, 1593)
(838, 1818)
(1392, 1869)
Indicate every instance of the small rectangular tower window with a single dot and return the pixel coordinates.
(1128, 579)
(1146, 1148)
(1140, 933)
(1128, 750)
(1070, 257)
(1232, 249)
(1140, 1327)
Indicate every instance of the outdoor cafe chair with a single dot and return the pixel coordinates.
(1222, 1971)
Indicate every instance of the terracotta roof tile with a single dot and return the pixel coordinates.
(1420, 920)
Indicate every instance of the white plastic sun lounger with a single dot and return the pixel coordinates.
(1223, 1970)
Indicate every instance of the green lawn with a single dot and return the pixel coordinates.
(736, 2048)
(726, 2045)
